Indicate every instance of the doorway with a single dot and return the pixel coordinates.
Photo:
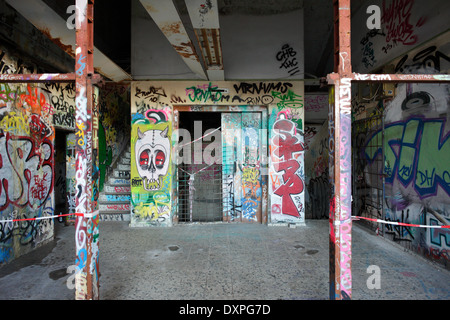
(220, 166)
(199, 174)
(60, 172)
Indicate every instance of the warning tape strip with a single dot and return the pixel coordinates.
(401, 223)
(84, 215)
(91, 215)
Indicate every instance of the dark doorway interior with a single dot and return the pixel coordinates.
(200, 178)
(60, 173)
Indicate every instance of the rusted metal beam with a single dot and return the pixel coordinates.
(86, 224)
(205, 21)
(388, 77)
(44, 77)
(165, 15)
(44, 18)
(339, 143)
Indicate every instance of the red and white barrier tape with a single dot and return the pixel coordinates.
(91, 215)
(84, 215)
(400, 223)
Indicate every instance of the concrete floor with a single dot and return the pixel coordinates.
(222, 261)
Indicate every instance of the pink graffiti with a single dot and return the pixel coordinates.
(287, 143)
(26, 171)
(396, 18)
(316, 103)
(122, 189)
(276, 208)
(346, 254)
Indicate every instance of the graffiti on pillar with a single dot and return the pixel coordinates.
(151, 167)
(286, 169)
(251, 166)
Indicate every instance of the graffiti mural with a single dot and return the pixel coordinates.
(151, 179)
(416, 166)
(287, 171)
(404, 25)
(416, 154)
(26, 168)
(246, 188)
(152, 151)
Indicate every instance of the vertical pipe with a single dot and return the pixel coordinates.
(340, 159)
(86, 277)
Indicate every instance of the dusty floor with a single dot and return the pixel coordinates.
(223, 261)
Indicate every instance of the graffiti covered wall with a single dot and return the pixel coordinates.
(417, 154)
(404, 25)
(26, 163)
(154, 126)
(317, 177)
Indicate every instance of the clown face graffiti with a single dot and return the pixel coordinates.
(152, 151)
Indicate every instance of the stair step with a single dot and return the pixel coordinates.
(125, 161)
(122, 207)
(114, 200)
(118, 181)
(123, 167)
(117, 188)
(121, 174)
(115, 197)
(115, 216)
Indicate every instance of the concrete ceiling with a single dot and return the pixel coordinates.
(112, 31)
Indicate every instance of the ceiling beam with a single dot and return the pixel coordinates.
(204, 16)
(166, 17)
(53, 26)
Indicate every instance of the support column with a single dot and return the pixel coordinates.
(87, 218)
(339, 143)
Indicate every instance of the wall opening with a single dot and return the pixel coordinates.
(368, 183)
(60, 173)
(220, 174)
(199, 175)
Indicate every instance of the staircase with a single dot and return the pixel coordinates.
(114, 200)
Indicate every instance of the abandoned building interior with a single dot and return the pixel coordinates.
(157, 113)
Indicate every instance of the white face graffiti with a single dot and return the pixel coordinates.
(152, 151)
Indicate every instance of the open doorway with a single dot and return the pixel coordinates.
(221, 164)
(199, 176)
(60, 172)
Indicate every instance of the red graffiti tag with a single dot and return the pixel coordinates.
(292, 185)
(396, 18)
(287, 143)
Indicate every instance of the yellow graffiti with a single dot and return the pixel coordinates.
(80, 133)
(150, 211)
(15, 123)
(250, 174)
